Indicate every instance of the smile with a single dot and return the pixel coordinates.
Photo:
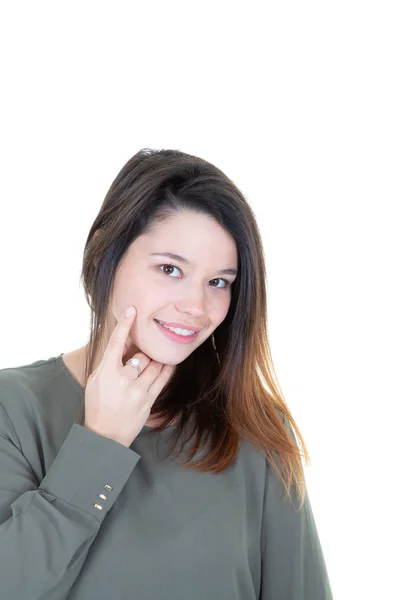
(177, 335)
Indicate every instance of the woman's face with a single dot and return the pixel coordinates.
(196, 294)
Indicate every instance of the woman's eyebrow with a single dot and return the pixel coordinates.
(187, 262)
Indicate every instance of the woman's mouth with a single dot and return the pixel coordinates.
(177, 335)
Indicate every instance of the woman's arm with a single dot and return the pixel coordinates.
(293, 565)
(47, 527)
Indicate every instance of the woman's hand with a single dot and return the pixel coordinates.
(117, 401)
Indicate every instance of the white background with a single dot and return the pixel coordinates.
(298, 102)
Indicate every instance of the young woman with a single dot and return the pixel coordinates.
(160, 460)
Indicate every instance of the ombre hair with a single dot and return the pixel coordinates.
(226, 389)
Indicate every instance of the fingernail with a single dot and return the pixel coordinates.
(129, 311)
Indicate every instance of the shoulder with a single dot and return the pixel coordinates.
(21, 387)
(38, 406)
(37, 395)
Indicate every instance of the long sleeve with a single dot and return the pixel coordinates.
(48, 527)
(293, 565)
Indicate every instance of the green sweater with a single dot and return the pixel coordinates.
(162, 532)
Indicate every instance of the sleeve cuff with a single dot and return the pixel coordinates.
(89, 471)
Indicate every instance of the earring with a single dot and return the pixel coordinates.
(215, 347)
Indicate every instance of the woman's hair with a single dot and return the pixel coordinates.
(226, 389)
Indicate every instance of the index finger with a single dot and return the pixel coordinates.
(116, 344)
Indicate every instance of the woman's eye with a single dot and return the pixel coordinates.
(168, 267)
(227, 283)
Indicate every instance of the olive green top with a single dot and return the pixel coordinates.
(85, 518)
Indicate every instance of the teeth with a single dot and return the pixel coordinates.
(178, 330)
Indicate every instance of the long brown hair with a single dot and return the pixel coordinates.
(226, 388)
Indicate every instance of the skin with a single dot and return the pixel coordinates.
(194, 294)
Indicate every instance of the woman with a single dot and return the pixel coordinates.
(94, 501)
